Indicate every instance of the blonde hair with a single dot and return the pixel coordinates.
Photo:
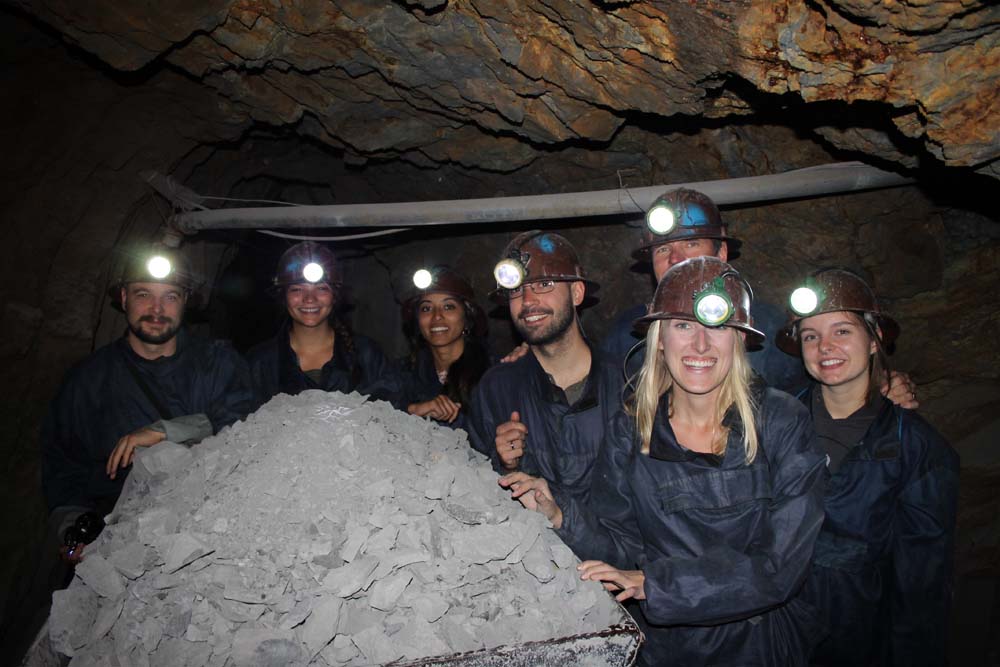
(654, 380)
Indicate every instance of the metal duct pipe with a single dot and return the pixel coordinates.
(809, 182)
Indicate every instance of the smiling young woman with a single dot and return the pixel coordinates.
(446, 329)
(881, 575)
(315, 348)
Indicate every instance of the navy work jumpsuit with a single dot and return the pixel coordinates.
(724, 546)
(882, 571)
(563, 439)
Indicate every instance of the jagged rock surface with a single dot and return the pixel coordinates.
(322, 530)
(484, 83)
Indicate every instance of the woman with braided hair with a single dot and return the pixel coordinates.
(316, 349)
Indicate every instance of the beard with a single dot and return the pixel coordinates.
(560, 321)
(151, 338)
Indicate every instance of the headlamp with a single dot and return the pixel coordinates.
(660, 218)
(158, 266)
(712, 306)
(806, 299)
(312, 272)
(509, 273)
(423, 279)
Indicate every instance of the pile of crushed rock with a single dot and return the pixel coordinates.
(323, 530)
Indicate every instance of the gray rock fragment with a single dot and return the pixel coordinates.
(481, 544)
(107, 615)
(539, 563)
(71, 619)
(386, 592)
(164, 459)
(351, 578)
(263, 647)
(321, 625)
(156, 523)
(130, 560)
(182, 549)
(100, 575)
(430, 607)
(357, 537)
(376, 646)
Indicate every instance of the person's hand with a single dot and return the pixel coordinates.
(510, 441)
(124, 451)
(901, 391)
(629, 582)
(534, 494)
(515, 354)
(440, 407)
(72, 555)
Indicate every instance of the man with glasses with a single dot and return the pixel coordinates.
(544, 413)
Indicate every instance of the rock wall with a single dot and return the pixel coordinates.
(439, 82)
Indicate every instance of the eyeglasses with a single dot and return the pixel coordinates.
(540, 287)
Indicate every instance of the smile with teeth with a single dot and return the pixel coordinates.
(698, 363)
(827, 363)
(534, 317)
(435, 330)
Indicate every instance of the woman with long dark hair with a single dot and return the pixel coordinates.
(706, 498)
(446, 329)
(315, 348)
(882, 569)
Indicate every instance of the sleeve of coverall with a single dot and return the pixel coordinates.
(482, 425)
(922, 546)
(64, 473)
(606, 529)
(380, 379)
(232, 397)
(724, 584)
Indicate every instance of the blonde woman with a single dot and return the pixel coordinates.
(707, 497)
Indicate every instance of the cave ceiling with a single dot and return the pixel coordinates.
(496, 84)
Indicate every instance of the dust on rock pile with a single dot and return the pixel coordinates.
(322, 530)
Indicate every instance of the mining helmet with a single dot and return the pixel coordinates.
(307, 262)
(158, 264)
(536, 256)
(831, 290)
(443, 279)
(706, 290)
(683, 214)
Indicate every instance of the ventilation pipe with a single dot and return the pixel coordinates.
(809, 182)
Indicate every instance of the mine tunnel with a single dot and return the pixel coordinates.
(120, 121)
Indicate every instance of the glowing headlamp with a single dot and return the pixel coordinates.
(509, 273)
(158, 266)
(313, 272)
(806, 299)
(660, 218)
(423, 279)
(712, 306)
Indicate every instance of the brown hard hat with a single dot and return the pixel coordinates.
(693, 216)
(307, 262)
(540, 255)
(158, 264)
(700, 289)
(446, 280)
(828, 291)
